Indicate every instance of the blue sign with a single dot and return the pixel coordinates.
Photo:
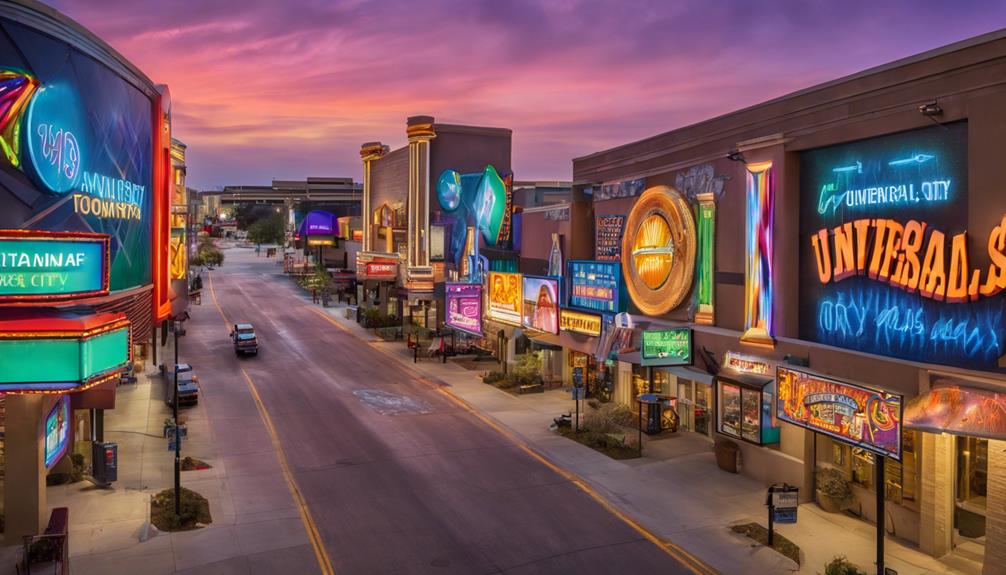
(595, 286)
(57, 431)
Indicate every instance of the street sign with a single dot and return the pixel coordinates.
(579, 393)
(577, 377)
(783, 501)
(171, 441)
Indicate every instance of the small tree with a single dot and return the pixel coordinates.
(269, 230)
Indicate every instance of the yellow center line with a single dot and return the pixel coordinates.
(693, 563)
(324, 561)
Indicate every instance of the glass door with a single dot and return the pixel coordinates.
(686, 405)
(971, 487)
(703, 407)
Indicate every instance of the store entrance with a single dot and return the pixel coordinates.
(970, 490)
(597, 379)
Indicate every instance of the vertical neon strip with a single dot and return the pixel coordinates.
(758, 267)
(161, 203)
(706, 264)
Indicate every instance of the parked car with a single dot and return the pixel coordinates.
(244, 339)
(188, 386)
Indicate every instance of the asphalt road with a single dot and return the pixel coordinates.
(397, 478)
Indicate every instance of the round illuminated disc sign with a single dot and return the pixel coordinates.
(658, 250)
(55, 127)
(449, 190)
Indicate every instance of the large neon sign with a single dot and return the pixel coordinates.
(55, 127)
(49, 266)
(758, 282)
(885, 264)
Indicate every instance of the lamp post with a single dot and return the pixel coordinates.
(178, 443)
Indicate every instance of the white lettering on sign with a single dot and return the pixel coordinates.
(41, 260)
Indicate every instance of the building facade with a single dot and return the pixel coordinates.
(837, 255)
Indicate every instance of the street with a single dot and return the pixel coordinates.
(397, 478)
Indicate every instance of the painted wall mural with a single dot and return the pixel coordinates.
(483, 200)
(658, 250)
(886, 263)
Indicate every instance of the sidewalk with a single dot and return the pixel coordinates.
(676, 490)
(110, 530)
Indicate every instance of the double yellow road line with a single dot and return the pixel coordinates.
(320, 553)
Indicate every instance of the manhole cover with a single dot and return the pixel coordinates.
(387, 403)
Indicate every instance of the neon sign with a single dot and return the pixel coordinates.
(541, 304)
(16, 90)
(666, 347)
(50, 266)
(579, 322)
(505, 301)
(595, 286)
(55, 126)
(758, 292)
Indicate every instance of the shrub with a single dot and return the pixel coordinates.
(842, 566)
(608, 417)
(832, 483)
(194, 509)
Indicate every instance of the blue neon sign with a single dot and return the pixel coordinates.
(55, 129)
(596, 286)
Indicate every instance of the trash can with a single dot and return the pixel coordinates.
(653, 407)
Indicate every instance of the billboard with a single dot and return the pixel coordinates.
(666, 347)
(57, 431)
(886, 263)
(541, 304)
(505, 304)
(464, 307)
(608, 238)
(580, 322)
(77, 148)
(52, 266)
(859, 416)
(595, 286)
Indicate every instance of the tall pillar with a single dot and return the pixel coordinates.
(995, 519)
(368, 153)
(420, 131)
(936, 521)
(24, 481)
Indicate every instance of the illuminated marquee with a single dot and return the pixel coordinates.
(52, 266)
(579, 322)
(463, 307)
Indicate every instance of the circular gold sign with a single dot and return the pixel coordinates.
(659, 250)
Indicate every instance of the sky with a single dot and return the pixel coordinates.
(286, 89)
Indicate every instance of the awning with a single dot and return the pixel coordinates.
(959, 410)
(746, 379)
(690, 374)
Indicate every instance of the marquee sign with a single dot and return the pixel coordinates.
(856, 415)
(505, 301)
(658, 250)
(52, 266)
(885, 261)
(579, 322)
(464, 307)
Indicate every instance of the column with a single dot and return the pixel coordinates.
(24, 483)
(368, 153)
(936, 521)
(420, 131)
(995, 518)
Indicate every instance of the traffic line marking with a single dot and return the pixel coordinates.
(693, 563)
(320, 553)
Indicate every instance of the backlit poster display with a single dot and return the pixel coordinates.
(505, 303)
(595, 286)
(541, 304)
(77, 150)
(859, 416)
(886, 264)
(666, 347)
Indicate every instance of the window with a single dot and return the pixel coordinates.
(730, 410)
(751, 408)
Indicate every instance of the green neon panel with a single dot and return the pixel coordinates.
(706, 229)
(50, 267)
(61, 360)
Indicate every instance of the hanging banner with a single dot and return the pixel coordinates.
(855, 415)
(464, 307)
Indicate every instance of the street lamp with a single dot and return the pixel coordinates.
(177, 324)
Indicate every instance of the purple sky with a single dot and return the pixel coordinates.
(268, 89)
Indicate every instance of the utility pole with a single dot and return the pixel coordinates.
(178, 437)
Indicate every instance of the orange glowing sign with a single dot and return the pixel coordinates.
(910, 256)
(505, 292)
